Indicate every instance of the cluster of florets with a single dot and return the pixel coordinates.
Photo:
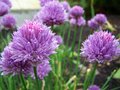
(97, 21)
(101, 46)
(31, 46)
(75, 16)
(52, 13)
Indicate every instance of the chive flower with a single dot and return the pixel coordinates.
(101, 46)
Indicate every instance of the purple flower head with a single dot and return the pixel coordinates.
(59, 39)
(10, 66)
(101, 46)
(100, 19)
(93, 24)
(43, 69)
(8, 21)
(7, 2)
(97, 21)
(43, 2)
(33, 42)
(66, 5)
(76, 11)
(79, 22)
(93, 87)
(53, 13)
(4, 9)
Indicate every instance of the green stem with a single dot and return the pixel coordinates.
(92, 8)
(90, 77)
(52, 28)
(43, 84)
(117, 88)
(80, 39)
(23, 81)
(79, 45)
(108, 80)
(74, 38)
(68, 38)
(36, 77)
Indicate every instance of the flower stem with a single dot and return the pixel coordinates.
(23, 81)
(52, 28)
(43, 84)
(36, 77)
(80, 39)
(92, 8)
(90, 76)
(74, 38)
(108, 80)
(68, 38)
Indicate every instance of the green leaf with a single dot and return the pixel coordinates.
(117, 74)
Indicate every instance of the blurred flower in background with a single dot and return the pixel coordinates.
(79, 22)
(43, 2)
(4, 9)
(97, 21)
(8, 21)
(66, 5)
(76, 12)
(7, 2)
(75, 16)
(52, 13)
(93, 87)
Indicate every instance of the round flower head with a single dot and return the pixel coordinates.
(7, 2)
(79, 22)
(93, 24)
(97, 21)
(10, 66)
(3, 8)
(100, 19)
(101, 46)
(66, 6)
(43, 2)
(93, 87)
(33, 42)
(43, 69)
(76, 11)
(52, 13)
(8, 21)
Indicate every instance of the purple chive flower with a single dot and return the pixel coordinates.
(4, 9)
(101, 46)
(66, 6)
(43, 2)
(10, 66)
(43, 69)
(76, 12)
(52, 13)
(8, 21)
(34, 43)
(97, 21)
(59, 39)
(93, 24)
(100, 19)
(93, 87)
(7, 2)
(79, 22)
